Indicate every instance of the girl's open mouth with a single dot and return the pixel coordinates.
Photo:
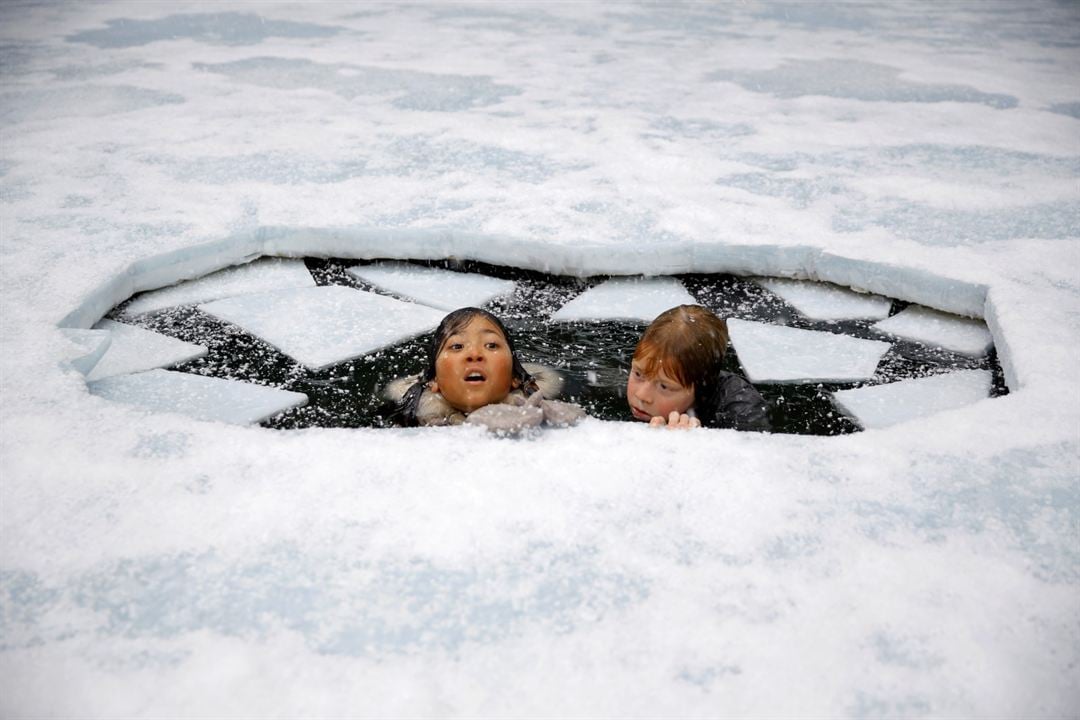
(475, 377)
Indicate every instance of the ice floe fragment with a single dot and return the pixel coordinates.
(198, 396)
(931, 327)
(88, 346)
(626, 299)
(444, 289)
(884, 405)
(262, 275)
(824, 301)
(134, 349)
(322, 326)
(777, 354)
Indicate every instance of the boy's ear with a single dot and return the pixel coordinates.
(433, 386)
(515, 383)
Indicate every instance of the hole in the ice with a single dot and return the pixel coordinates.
(913, 361)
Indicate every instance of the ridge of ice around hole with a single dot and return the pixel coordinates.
(935, 328)
(198, 396)
(880, 406)
(87, 347)
(825, 301)
(444, 289)
(262, 275)
(323, 326)
(134, 349)
(778, 354)
(626, 299)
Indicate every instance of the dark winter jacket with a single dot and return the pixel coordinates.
(729, 401)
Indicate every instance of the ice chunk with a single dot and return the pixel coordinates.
(626, 299)
(931, 327)
(202, 397)
(134, 349)
(825, 301)
(262, 275)
(322, 326)
(436, 287)
(88, 347)
(883, 405)
(772, 353)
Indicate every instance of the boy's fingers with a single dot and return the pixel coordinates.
(657, 421)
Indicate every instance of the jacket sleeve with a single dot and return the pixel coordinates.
(736, 404)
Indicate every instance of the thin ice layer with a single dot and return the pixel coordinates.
(444, 289)
(201, 397)
(931, 327)
(825, 301)
(88, 347)
(626, 299)
(133, 349)
(322, 326)
(263, 275)
(884, 405)
(773, 353)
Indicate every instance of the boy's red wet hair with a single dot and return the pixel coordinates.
(687, 342)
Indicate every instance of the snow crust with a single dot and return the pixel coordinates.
(132, 349)
(443, 289)
(930, 327)
(155, 565)
(819, 301)
(205, 398)
(774, 353)
(322, 326)
(626, 299)
(260, 276)
(880, 406)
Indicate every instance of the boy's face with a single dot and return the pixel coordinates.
(656, 395)
(474, 367)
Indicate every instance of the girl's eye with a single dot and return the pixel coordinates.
(664, 387)
(493, 346)
(455, 346)
(636, 373)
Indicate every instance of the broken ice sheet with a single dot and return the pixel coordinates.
(444, 289)
(262, 275)
(931, 327)
(884, 405)
(773, 353)
(198, 396)
(88, 347)
(825, 301)
(321, 326)
(133, 349)
(626, 299)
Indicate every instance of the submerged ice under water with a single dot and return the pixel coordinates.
(593, 355)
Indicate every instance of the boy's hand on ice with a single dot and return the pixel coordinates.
(675, 421)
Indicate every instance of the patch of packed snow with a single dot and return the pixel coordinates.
(821, 301)
(438, 288)
(133, 349)
(774, 353)
(626, 299)
(880, 406)
(938, 329)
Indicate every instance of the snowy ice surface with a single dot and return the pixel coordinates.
(258, 276)
(87, 346)
(322, 326)
(132, 349)
(206, 398)
(774, 353)
(443, 289)
(880, 406)
(626, 299)
(930, 327)
(820, 301)
(157, 565)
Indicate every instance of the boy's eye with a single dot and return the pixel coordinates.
(455, 346)
(493, 346)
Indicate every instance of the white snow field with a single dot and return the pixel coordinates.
(156, 565)
(821, 301)
(879, 406)
(206, 398)
(626, 299)
(774, 353)
(443, 289)
(263, 275)
(938, 329)
(321, 326)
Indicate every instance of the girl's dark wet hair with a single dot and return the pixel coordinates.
(452, 323)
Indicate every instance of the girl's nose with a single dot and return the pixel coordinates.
(476, 352)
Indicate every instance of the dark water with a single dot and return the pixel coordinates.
(595, 357)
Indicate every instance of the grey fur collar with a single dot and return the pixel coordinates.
(434, 410)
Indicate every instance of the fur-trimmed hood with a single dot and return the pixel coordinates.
(433, 409)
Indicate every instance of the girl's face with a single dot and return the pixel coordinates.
(474, 367)
(656, 395)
